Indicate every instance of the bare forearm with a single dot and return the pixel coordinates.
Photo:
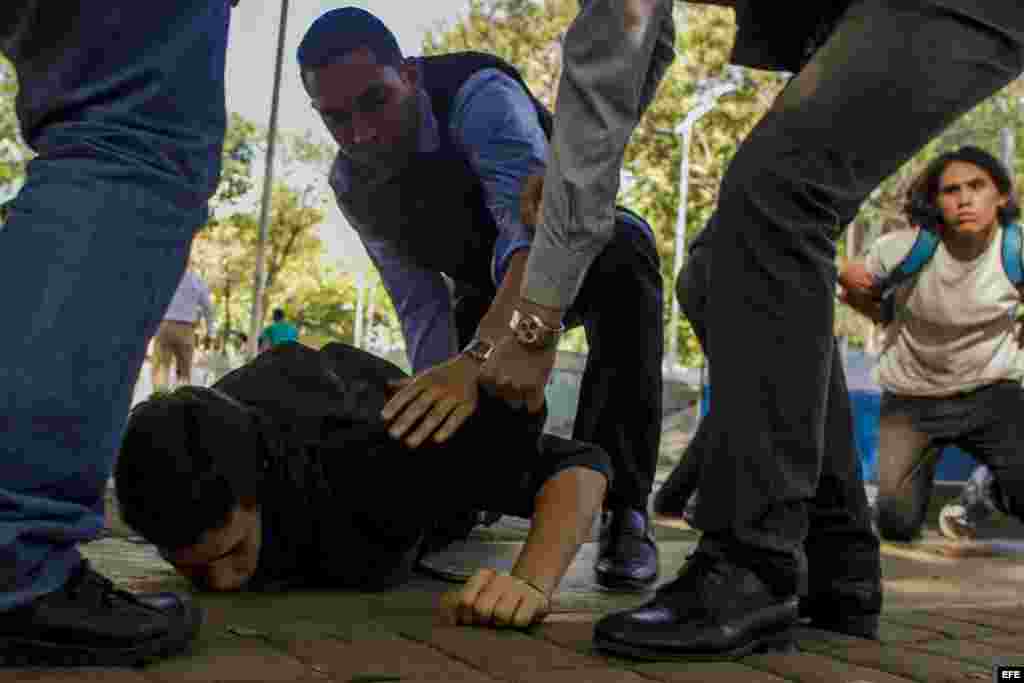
(564, 514)
(494, 325)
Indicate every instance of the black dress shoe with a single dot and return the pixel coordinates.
(844, 587)
(88, 622)
(627, 557)
(844, 606)
(713, 610)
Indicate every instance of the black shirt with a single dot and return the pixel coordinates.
(346, 505)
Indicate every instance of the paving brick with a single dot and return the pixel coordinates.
(503, 654)
(821, 641)
(587, 675)
(894, 632)
(911, 663)
(807, 667)
(384, 657)
(983, 653)
(81, 675)
(1013, 615)
(948, 627)
(702, 672)
(227, 658)
(578, 636)
(996, 620)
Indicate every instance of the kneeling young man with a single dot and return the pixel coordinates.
(952, 362)
(283, 474)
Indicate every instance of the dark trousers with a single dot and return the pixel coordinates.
(791, 189)
(839, 520)
(620, 307)
(912, 432)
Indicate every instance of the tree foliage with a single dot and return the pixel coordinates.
(13, 152)
(528, 33)
(298, 276)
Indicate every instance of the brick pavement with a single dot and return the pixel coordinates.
(945, 619)
(929, 633)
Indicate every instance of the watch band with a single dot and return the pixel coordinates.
(479, 349)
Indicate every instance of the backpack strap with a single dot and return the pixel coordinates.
(916, 259)
(1013, 261)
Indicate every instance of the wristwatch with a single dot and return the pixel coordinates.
(479, 349)
(532, 332)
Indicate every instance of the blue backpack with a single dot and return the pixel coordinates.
(921, 254)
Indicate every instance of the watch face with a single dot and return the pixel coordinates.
(529, 335)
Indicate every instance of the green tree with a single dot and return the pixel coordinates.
(14, 154)
(298, 278)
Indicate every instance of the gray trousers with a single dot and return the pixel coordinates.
(615, 55)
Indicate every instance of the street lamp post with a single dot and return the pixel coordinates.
(708, 99)
(259, 279)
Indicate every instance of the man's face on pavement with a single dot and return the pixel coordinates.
(969, 199)
(370, 108)
(224, 558)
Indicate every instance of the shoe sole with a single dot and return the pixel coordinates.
(20, 652)
(777, 641)
(615, 584)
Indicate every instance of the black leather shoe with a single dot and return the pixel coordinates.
(88, 622)
(847, 607)
(627, 558)
(713, 610)
(844, 588)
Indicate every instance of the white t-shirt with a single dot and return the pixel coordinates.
(955, 325)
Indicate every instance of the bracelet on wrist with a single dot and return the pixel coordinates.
(532, 585)
(478, 349)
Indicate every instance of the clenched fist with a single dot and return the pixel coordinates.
(497, 600)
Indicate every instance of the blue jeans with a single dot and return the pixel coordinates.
(124, 103)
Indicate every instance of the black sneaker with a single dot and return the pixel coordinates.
(89, 622)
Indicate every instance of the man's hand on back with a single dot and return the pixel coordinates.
(436, 402)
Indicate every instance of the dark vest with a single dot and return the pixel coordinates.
(434, 211)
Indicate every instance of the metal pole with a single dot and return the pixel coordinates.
(371, 311)
(680, 253)
(357, 333)
(685, 133)
(268, 185)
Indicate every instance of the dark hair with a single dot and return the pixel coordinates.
(922, 208)
(187, 458)
(278, 314)
(340, 31)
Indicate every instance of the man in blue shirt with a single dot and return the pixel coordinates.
(434, 157)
